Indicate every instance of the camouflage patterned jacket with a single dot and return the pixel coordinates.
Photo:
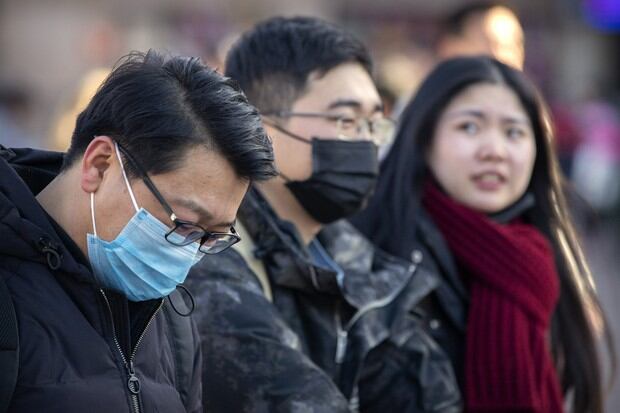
(322, 345)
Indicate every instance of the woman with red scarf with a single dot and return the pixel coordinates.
(472, 189)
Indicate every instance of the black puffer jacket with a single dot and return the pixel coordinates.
(82, 349)
(320, 346)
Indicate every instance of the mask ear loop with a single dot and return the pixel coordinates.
(92, 212)
(133, 198)
(288, 133)
(191, 299)
(286, 178)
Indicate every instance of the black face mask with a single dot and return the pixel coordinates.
(344, 174)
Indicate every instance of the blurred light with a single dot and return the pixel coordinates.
(603, 14)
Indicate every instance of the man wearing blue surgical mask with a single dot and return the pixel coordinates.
(94, 241)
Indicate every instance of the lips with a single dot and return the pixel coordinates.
(489, 180)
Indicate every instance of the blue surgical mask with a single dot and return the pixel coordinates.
(139, 262)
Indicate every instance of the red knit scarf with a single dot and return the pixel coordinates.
(514, 288)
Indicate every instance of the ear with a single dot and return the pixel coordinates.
(98, 157)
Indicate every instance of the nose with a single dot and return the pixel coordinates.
(492, 148)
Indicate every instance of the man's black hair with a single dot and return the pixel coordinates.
(158, 108)
(272, 61)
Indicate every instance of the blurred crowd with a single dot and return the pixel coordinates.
(406, 44)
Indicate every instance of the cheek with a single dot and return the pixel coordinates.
(293, 158)
(113, 207)
(524, 159)
(112, 213)
(448, 159)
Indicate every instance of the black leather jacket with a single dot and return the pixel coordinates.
(321, 345)
(444, 311)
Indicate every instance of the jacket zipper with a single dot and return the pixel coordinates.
(313, 277)
(342, 338)
(133, 382)
(343, 332)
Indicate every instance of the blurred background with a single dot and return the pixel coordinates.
(54, 54)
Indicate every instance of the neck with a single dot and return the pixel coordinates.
(288, 208)
(60, 200)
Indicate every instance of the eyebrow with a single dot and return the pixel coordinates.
(204, 214)
(354, 104)
(480, 115)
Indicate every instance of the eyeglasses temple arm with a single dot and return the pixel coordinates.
(150, 185)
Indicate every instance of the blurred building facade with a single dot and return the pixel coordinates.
(48, 45)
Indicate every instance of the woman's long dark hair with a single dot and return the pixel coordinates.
(578, 319)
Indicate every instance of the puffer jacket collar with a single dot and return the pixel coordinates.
(370, 276)
(27, 233)
(278, 243)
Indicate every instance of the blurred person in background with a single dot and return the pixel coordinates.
(14, 108)
(92, 244)
(483, 28)
(473, 182)
(64, 124)
(596, 164)
(475, 28)
(491, 28)
(306, 315)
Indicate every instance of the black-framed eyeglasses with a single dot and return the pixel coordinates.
(186, 232)
(380, 129)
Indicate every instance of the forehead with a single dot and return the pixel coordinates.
(493, 99)
(345, 82)
(497, 21)
(502, 23)
(205, 178)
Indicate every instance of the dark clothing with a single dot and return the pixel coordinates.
(450, 305)
(444, 311)
(81, 348)
(514, 287)
(326, 343)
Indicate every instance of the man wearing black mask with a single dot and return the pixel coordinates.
(306, 316)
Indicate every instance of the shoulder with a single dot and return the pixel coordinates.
(227, 270)
(343, 235)
(230, 299)
(350, 248)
